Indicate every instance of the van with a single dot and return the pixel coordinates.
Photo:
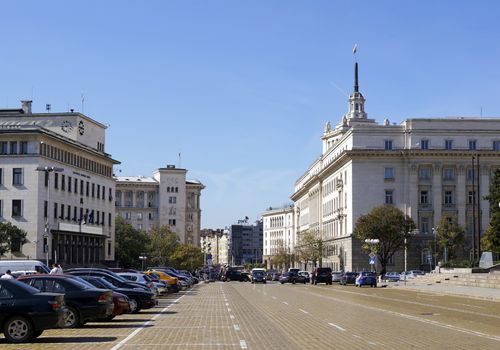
(23, 265)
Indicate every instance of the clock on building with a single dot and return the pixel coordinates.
(66, 126)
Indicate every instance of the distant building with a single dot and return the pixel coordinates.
(279, 232)
(427, 167)
(56, 184)
(245, 243)
(215, 243)
(165, 199)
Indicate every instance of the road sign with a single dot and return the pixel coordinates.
(372, 260)
(372, 255)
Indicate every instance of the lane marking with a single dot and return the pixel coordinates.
(265, 293)
(337, 326)
(478, 307)
(357, 336)
(284, 302)
(371, 343)
(227, 304)
(228, 310)
(274, 298)
(236, 327)
(304, 311)
(146, 324)
(243, 344)
(231, 317)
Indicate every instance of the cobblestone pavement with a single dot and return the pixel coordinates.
(238, 315)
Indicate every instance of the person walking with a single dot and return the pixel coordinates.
(8, 275)
(59, 269)
(54, 270)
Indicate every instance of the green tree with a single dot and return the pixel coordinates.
(390, 226)
(450, 236)
(187, 257)
(310, 247)
(130, 244)
(12, 238)
(164, 242)
(491, 238)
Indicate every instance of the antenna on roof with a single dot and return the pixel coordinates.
(83, 101)
(481, 112)
(180, 160)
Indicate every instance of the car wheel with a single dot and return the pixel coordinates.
(109, 318)
(18, 329)
(282, 282)
(71, 318)
(304, 282)
(133, 306)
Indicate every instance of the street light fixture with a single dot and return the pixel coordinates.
(143, 257)
(47, 170)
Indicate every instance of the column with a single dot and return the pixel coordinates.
(134, 199)
(484, 191)
(437, 200)
(461, 195)
(412, 190)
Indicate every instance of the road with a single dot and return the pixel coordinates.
(237, 315)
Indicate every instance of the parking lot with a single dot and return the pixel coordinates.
(240, 315)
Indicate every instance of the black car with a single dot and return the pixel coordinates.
(292, 277)
(348, 278)
(234, 275)
(25, 312)
(83, 303)
(110, 276)
(323, 275)
(138, 299)
(258, 276)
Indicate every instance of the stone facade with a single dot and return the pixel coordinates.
(215, 242)
(422, 166)
(279, 232)
(165, 199)
(56, 184)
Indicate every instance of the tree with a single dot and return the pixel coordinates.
(450, 236)
(310, 248)
(390, 226)
(491, 238)
(164, 242)
(187, 257)
(130, 244)
(12, 238)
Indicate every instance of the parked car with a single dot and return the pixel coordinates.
(270, 273)
(110, 276)
(391, 277)
(258, 276)
(348, 278)
(25, 312)
(306, 275)
(83, 303)
(232, 275)
(366, 278)
(138, 299)
(158, 288)
(410, 274)
(336, 276)
(323, 275)
(172, 282)
(23, 265)
(275, 276)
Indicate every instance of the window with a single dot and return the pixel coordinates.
(76, 186)
(109, 219)
(23, 147)
(13, 147)
(127, 215)
(17, 208)
(389, 174)
(448, 197)
(63, 182)
(448, 144)
(139, 216)
(98, 192)
(172, 200)
(1, 176)
(70, 180)
(496, 145)
(93, 190)
(424, 173)
(61, 216)
(424, 197)
(470, 174)
(448, 174)
(389, 197)
(4, 147)
(68, 215)
(55, 210)
(56, 180)
(17, 176)
(87, 189)
(1, 208)
(424, 144)
(470, 197)
(472, 144)
(45, 208)
(424, 225)
(388, 145)
(171, 222)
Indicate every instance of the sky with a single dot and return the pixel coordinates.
(243, 89)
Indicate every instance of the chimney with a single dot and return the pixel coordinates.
(26, 106)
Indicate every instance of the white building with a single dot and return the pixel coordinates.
(423, 166)
(67, 206)
(279, 232)
(215, 243)
(166, 199)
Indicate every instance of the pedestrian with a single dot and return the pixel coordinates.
(313, 278)
(59, 269)
(7, 275)
(54, 270)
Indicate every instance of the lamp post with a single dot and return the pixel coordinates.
(143, 257)
(47, 170)
(435, 247)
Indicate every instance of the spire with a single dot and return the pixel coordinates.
(356, 86)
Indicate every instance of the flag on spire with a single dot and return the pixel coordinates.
(354, 49)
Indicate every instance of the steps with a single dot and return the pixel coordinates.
(482, 280)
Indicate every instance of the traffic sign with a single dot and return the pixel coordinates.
(372, 260)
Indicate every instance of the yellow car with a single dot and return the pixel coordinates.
(171, 281)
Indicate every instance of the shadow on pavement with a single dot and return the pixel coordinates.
(128, 320)
(43, 340)
(103, 326)
(157, 312)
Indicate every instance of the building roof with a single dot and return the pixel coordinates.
(138, 179)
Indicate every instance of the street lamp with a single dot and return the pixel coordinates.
(143, 257)
(435, 247)
(47, 170)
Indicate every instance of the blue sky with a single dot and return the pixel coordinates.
(242, 89)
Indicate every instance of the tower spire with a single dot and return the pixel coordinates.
(356, 86)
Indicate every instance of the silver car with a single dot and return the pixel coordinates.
(337, 276)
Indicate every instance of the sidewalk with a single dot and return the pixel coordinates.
(471, 292)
